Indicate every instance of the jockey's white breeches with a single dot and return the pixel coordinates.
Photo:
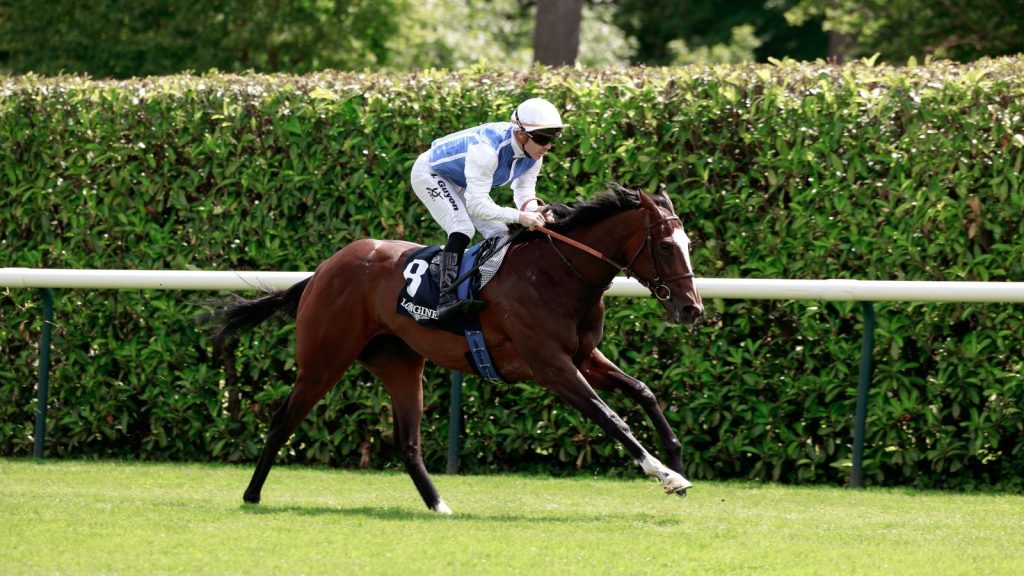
(447, 202)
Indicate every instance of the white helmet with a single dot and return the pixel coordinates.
(536, 114)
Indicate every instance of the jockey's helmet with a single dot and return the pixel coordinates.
(536, 114)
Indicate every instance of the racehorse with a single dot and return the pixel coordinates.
(543, 319)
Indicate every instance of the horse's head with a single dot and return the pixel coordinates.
(653, 244)
(661, 259)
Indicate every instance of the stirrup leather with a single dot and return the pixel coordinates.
(448, 304)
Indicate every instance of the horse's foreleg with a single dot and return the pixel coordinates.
(602, 374)
(571, 386)
(400, 368)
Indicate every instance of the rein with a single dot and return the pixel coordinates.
(660, 289)
(579, 246)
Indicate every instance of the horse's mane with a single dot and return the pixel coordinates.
(613, 200)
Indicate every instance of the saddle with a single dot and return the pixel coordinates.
(418, 299)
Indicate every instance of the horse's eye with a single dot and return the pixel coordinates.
(665, 246)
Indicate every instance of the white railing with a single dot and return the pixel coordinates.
(864, 291)
(728, 288)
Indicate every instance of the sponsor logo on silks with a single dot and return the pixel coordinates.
(419, 312)
(435, 193)
(448, 195)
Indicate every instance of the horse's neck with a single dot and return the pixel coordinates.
(609, 237)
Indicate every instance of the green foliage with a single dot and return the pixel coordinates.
(962, 30)
(129, 38)
(156, 37)
(460, 33)
(740, 48)
(778, 171)
(124, 38)
(714, 29)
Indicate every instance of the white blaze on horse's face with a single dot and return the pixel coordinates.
(681, 240)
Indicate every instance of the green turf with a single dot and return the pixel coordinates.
(129, 518)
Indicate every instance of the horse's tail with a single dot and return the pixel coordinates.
(229, 318)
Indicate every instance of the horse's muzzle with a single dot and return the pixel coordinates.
(682, 314)
(692, 313)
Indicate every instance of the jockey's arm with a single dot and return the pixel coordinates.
(481, 162)
(524, 189)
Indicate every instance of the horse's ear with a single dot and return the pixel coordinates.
(656, 201)
(647, 201)
(662, 198)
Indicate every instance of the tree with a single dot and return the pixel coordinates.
(961, 30)
(556, 33)
(459, 33)
(659, 28)
(122, 38)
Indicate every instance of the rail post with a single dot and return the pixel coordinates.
(863, 384)
(44, 372)
(454, 423)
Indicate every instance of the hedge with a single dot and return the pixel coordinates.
(785, 170)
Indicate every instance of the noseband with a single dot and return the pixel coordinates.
(658, 286)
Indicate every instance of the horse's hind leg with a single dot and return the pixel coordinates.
(308, 390)
(323, 355)
(602, 374)
(400, 368)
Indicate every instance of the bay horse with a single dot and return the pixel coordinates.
(543, 319)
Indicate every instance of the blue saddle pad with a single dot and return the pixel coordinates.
(418, 299)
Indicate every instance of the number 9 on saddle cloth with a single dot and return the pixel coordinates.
(420, 296)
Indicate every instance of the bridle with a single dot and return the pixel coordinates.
(658, 286)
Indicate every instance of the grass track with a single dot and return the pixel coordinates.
(77, 517)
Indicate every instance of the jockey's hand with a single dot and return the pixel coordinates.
(532, 220)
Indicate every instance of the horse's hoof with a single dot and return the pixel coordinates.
(442, 508)
(675, 484)
(251, 499)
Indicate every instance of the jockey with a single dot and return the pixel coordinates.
(455, 177)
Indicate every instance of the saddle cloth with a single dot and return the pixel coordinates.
(419, 297)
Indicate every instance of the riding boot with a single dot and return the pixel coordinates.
(449, 305)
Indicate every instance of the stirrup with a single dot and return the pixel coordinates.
(449, 306)
(470, 307)
(458, 308)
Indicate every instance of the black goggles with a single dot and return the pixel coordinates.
(543, 136)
